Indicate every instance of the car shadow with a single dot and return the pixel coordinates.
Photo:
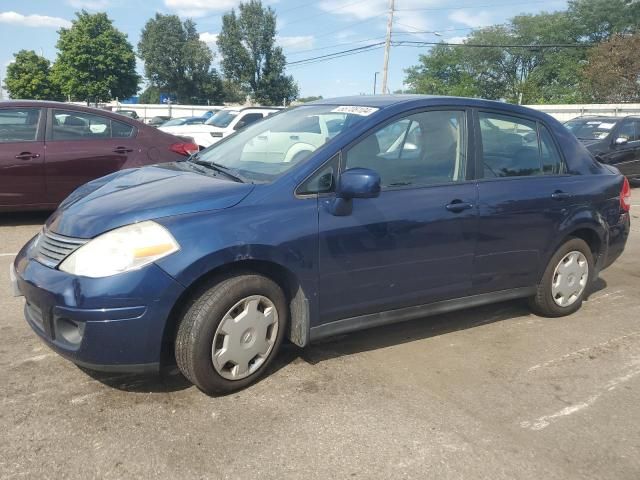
(170, 380)
(23, 218)
(410, 331)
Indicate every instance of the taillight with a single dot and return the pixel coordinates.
(185, 149)
(625, 196)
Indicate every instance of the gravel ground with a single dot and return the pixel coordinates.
(493, 392)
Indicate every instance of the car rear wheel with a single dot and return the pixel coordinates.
(231, 332)
(565, 280)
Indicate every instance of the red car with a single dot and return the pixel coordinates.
(48, 149)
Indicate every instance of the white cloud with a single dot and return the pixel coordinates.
(89, 4)
(200, 8)
(457, 39)
(295, 43)
(209, 38)
(33, 20)
(291, 43)
(474, 20)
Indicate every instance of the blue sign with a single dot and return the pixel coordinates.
(166, 97)
(130, 100)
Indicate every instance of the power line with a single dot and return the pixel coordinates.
(357, 49)
(531, 46)
(407, 43)
(465, 7)
(326, 47)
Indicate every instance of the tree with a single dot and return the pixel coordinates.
(613, 72)
(312, 98)
(177, 62)
(250, 56)
(444, 71)
(599, 20)
(28, 77)
(95, 60)
(151, 94)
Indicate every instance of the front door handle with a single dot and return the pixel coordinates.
(27, 155)
(560, 195)
(457, 206)
(122, 150)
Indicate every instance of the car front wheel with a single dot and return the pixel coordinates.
(565, 281)
(231, 332)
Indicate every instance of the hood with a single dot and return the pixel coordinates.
(139, 194)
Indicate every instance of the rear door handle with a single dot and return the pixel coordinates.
(560, 195)
(122, 150)
(457, 206)
(27, 156)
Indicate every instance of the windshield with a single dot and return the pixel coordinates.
(591, 129)
(266, 149)
(222, 119)
(174, 121)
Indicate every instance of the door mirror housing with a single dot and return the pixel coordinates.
(621, 141)
(240, 124)
(358, 183)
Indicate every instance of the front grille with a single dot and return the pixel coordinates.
(52, 248)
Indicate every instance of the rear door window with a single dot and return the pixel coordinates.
(71, 125)
(509, 146)
(19, 124)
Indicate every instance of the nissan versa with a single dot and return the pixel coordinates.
(330, 217)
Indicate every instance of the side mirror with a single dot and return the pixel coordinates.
(239, 125)
(358, 183)
(354, 183)
(621, 141)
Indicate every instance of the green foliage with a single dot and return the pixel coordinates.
(613, 72)
(526, 74)
(95, 60)
(309, 99)
(151, 94)
(177, 62)
(28, 77)
(250, 57)
(599, 20)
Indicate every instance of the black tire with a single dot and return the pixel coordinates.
(543, 303)
(198, 325)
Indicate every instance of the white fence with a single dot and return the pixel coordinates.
(567, 112)
(561, 112)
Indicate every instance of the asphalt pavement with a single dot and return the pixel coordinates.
(493, 392)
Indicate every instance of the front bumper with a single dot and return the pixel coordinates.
(114, 323)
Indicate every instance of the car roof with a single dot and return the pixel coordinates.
(66, 106)
(418, 101)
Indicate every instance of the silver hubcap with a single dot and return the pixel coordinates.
(245, 337)
(570, 278)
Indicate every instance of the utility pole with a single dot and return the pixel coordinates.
(375, 81)
(387, 47)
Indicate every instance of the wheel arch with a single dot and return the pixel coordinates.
(592, 233)
(297, 299)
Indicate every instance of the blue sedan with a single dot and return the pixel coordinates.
(327, 218)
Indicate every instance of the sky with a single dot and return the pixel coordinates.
(306, 29)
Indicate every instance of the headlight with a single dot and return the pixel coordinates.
(121, 250)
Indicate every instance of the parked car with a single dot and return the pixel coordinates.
(613, 140)
(220, 125)
(217, 259)
(158, 120)
(211, 113)
(48, 149)
(174, 122)
(128, 113)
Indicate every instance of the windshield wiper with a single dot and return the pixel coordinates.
(217, 167)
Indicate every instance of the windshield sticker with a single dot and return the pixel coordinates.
(607, 126)
(362, 111)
